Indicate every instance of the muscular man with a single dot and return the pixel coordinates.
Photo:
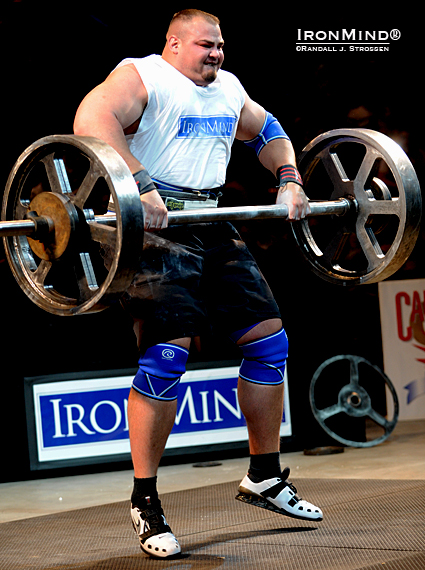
(173, 119)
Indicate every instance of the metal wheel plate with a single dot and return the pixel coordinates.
(357, 399)
(372, 243)
(87, 174)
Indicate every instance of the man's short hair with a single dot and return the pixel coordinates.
(187, 15)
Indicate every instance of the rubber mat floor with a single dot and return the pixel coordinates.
(368, 524)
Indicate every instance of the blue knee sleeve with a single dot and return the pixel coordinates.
(265, 359)
(235, 336)
(160, 370)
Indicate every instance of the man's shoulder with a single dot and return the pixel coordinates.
(228, 79)
(150, 61)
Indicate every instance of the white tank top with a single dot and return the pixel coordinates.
(186, 131)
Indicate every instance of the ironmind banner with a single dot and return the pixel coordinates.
(79, 420)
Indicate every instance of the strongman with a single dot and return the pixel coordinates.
(173, 118)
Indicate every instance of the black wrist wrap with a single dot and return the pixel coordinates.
(144, 182)
(288, 173)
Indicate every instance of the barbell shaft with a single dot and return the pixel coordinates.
(17, 228)
(338, 207)
(319, 208)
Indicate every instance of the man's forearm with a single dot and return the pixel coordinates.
(277, 153)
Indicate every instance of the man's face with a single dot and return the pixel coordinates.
(200, 52)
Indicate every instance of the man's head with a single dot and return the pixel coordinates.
(195, 46)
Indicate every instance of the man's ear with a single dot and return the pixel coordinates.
(173, 44)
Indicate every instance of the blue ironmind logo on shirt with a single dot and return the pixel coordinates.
(215, 126)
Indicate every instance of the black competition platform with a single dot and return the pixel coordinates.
(368, 524)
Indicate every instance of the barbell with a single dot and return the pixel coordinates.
(56, 223)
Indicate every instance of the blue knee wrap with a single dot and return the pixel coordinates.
(160, 370)
(265, 359)
(270, 130)
(235, 336)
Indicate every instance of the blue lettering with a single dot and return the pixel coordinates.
(83, 417)
(216, 126)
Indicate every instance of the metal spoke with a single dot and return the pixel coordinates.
(354, 371)
(365, 170)
(373, 414)
(21, 210)
(86, 186)
(103, 234)
(336, 172)
(335, 247)
(367, 207)
(329, 412)
(384, 207)
(370, 246)
(87, 282)
(40, 274)
(57, 174)
(89, 271)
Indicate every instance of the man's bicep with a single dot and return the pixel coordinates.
(121, 97)
(251, 120)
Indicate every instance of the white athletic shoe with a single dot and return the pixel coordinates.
(278, 496)
(155, 536)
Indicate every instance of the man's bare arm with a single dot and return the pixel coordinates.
(111, 107)
(275, 154)
(106, 112)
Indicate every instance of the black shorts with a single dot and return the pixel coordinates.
(194, 276)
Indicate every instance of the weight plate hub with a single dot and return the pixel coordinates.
(63, 217)
(67, 180)
(375, 240)
(352, 399)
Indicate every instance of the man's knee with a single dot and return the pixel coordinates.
(160, 370)
(264, 359)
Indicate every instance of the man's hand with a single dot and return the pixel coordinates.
(155, 212)
(294, 197)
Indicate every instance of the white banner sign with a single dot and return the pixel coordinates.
(402, 307)
(87, 417)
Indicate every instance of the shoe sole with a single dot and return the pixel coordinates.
(152, 552)
(258, 501)
(156, 556)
